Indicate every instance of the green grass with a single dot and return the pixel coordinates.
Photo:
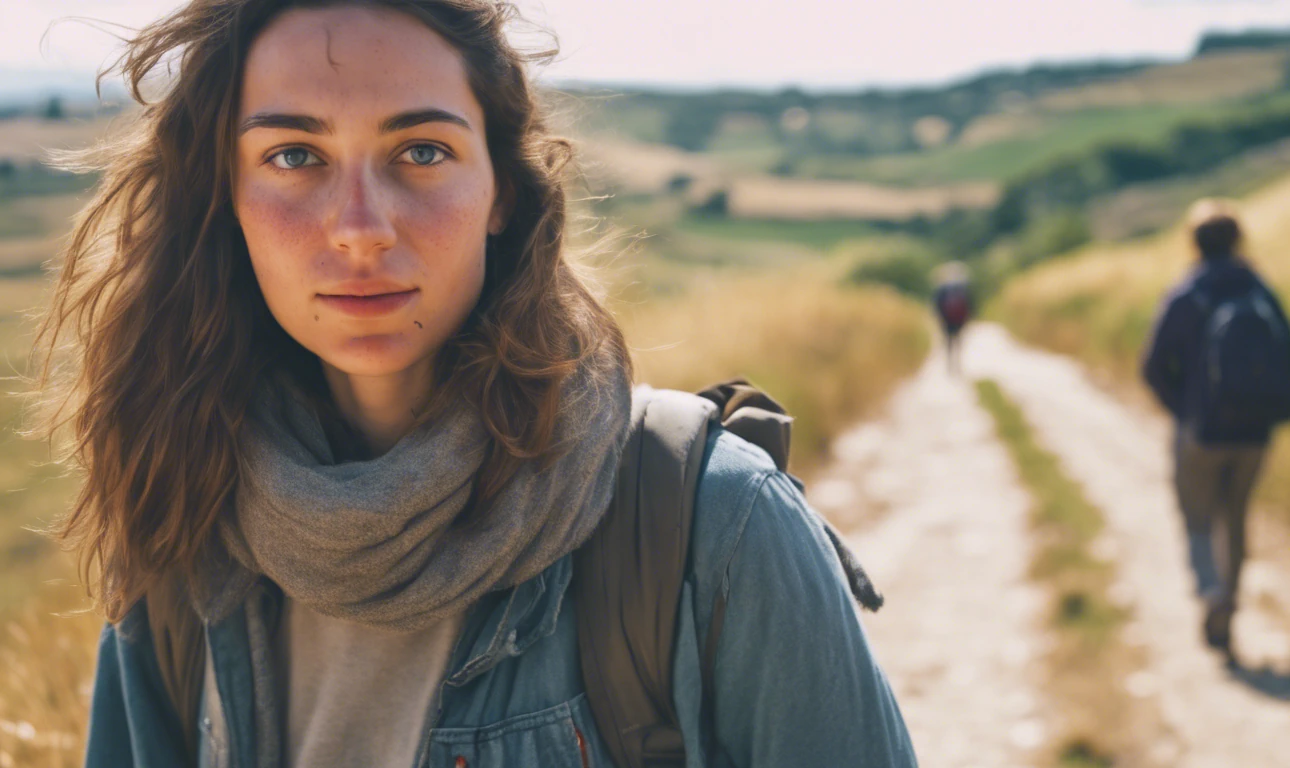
(1065, 520)
(821, 235)
(1087, 661)
(1063, 133)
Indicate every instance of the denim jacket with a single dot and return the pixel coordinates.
(796, 683)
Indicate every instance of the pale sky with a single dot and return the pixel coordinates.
(758, 43)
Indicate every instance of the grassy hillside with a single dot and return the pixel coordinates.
(988, 128)
(1040, 138)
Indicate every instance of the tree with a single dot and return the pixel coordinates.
(54, 109)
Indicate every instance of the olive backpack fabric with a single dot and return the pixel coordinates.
(628, 578)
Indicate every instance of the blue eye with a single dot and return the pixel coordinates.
(294, 157)
(424, 154)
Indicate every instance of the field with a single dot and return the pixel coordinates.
(632, 168)
(829, 353)
(987, 130)
(1037, 140)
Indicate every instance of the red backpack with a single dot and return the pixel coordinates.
(955, 306)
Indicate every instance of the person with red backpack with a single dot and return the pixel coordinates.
(952, 301)
(1219, 362)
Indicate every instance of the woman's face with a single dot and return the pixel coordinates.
(363, 185)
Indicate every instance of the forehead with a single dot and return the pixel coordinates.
(354, 63)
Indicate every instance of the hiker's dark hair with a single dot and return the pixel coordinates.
(1214, 228)
(157, 334)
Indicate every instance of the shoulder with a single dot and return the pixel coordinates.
(733, 475)
(744, 503)
(1185, 298)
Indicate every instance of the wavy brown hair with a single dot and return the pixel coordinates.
(158, 333)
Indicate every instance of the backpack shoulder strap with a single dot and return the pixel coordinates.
(758, 418)
(628, 580)
(628, 576)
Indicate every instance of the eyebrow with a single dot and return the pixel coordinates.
(406, 120)
(309, 124)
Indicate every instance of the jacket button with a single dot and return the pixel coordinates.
(461, 762)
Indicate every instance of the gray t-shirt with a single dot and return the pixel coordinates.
(355, 695)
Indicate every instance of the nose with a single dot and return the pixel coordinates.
(362, 221)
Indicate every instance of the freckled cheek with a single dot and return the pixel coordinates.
(280, 235)
(448, 233)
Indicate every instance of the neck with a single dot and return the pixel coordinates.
(381, 408)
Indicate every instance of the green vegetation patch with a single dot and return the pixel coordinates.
(1087, 661)
(1058, 135)
(1066, 522)
(822, 235)
(902, 262)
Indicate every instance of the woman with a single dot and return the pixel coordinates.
(335, 377)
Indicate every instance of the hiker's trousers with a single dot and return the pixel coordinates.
(1214, 483)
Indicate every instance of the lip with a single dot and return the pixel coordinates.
(372, 304)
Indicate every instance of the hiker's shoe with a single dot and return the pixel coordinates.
(1218, 626)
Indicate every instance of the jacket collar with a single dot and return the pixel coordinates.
(507, 623)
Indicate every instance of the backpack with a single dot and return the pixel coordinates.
(955, 305)
(627, 579)
(1245, 363)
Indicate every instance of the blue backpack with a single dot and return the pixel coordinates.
(1246, 364)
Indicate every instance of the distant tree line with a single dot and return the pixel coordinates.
(1254, 39)
(691, 120)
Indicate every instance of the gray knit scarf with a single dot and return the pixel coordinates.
(391, 542)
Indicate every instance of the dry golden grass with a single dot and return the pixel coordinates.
(632, 167)
(987, 129)
(1214, 77)
(638, 168)
(46, 672)
(772, 197)
(30, 138)
(829, 353)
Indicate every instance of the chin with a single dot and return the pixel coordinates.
(374, 356)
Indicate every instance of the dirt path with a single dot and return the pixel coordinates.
(940, 522)
(1219, 718)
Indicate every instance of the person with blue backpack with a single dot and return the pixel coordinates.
(1219, 362)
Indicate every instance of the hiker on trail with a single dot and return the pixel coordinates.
(1219, 361)
(952, 300)
(366, 481)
